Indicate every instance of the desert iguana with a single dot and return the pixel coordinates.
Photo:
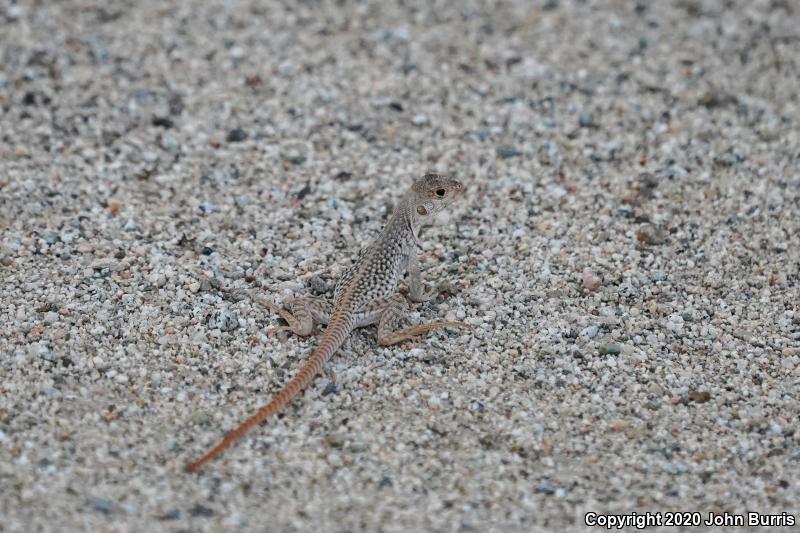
(365, 294)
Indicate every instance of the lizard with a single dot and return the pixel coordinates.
(365, 294)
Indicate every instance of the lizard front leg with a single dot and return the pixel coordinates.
(304, 312)
(389, 312)
(417, 292)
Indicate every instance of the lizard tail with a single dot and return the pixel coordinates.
(332, 339)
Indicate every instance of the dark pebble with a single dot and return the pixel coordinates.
(174, 514)
(507, 152)
(586, 120)
(201, 510)
(318, 285)
(237, 135)
(544, 488)
(343, 176)
(699, 396)
(163, 122)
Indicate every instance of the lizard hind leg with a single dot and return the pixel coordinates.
(394, 312)
(305, 311)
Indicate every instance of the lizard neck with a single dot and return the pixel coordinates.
(404, 221)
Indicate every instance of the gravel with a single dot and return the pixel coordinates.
(627, 251)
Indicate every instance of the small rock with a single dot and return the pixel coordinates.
(610, 349)
(242, 201)
(651, 235)
(169, 143)
(476, 406)
(586, 119)
(507, 152)
(172, 514)
(318, 285)
(294, 153)
(201, 511)
(5, 255)
(224, 320)
(236, 135)
(330, 388)
(200, 418)
(162, 122)
(420, 120)
(699, 396)
(204, 209)
(544, 488)
(102, 505)
(591, 281)
(647, 182)
(675, 323)
(343, 176)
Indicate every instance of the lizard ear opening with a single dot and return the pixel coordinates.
(422, 210)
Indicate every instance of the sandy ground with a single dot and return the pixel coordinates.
(627, 251)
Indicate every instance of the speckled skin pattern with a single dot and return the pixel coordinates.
(365, 294)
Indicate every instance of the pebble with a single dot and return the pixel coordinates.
(651, 235)
(590, 331)
(507, 152)
(675, 323)
(318, 285)
(586, 119)
(102, 505)
(224, 320)
(610, 349)
(236, 135)
(420, 120)
(591, 281)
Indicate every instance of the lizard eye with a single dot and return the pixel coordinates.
(440, 192)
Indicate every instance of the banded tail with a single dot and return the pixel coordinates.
(332, 339)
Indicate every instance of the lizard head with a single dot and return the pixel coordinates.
(432, 193)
